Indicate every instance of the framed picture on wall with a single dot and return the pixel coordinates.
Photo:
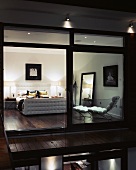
(33, 71)
(110, 76)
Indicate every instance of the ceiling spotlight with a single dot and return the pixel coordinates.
(67, 22)
(67, 18)
(131, 27)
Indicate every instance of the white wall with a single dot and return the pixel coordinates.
(94, 62)
(53, 69)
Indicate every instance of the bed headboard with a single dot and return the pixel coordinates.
(18, 88)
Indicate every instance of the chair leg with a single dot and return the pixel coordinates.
(103, 116)
(108, 118)
(91, 116)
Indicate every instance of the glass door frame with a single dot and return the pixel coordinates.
(1, 71)
(104, 125)
(70, 49)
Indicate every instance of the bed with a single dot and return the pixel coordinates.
(38, 106)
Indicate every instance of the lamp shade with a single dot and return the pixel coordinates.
(75, 85)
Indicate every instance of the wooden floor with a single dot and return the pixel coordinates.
(14, 120)
(23, 148)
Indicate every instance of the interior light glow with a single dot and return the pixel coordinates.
(28, 33)
(51, 163)
(112, 164)
(67, 24)
(130, 30)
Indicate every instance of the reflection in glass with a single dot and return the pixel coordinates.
(42, 36)
(110, 164)
(100, 40)
(52, 163)
(87, 88)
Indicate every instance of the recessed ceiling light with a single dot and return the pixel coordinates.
(85, 37)
(28, 33)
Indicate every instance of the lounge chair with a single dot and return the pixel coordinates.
(98, 110)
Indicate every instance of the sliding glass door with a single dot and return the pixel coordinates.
(80, 76)
(34, 79)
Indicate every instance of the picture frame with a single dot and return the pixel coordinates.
(110, 76)
(33, 71)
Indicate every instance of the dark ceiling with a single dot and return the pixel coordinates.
(126, 6)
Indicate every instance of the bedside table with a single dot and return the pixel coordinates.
(10, 103)
(10, 99)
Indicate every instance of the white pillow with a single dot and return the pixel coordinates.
(42, 95)
(30, 97)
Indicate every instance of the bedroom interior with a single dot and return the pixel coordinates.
(21, 83)
(50, 90)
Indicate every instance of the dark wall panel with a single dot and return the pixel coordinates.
(1, 70)
(131, 79)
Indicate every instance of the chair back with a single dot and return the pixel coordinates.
(113, 103)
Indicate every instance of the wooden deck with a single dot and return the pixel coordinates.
(63, 144)
(5, 161)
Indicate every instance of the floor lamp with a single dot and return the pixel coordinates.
(74, 91)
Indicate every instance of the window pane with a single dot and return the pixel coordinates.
(46, 36)
(99, 101)
(44, 101)
(110, 164)
(88, 39)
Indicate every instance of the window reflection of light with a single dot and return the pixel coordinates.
(51, 163)
(112, 164)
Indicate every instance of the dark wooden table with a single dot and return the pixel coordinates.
(10, 103)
